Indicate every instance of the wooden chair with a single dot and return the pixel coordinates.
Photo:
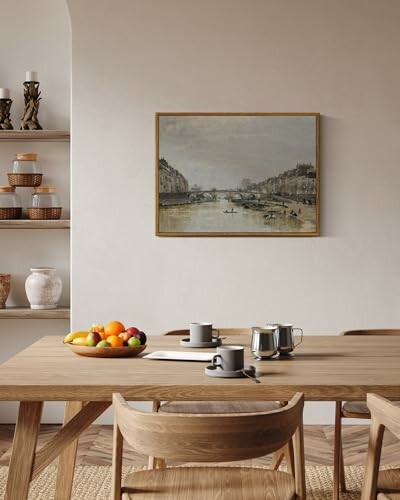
(208, 438)
(349, 409)
(385, 483)
(212, 407)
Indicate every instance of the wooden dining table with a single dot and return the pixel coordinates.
(324, 368)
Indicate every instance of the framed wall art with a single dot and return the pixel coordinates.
(237, 174)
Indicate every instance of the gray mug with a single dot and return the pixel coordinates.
(231, 358)
(286, 342)
(202, 332)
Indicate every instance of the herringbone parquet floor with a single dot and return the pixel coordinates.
(95, 446)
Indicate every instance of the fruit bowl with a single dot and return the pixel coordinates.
(107, 352)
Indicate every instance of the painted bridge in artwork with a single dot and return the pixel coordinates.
(230, 193)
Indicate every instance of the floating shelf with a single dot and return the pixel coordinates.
(28, 313)
(35, 135)
(35, 224)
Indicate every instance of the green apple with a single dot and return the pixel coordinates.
(133, 342)
(103, 343)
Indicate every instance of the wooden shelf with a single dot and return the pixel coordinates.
(35, 224)
(28, 313)
(34, 135)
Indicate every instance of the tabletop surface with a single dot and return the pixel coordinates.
(325, 368)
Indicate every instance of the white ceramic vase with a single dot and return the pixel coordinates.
(43, 288)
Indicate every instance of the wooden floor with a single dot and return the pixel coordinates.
(95, 446)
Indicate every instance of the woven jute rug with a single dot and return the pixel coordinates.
(93, 482)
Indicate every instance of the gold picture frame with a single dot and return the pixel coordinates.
(282, 201)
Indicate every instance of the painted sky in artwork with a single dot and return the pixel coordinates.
(219, 151)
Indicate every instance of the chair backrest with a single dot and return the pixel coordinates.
(384, 415)
(208, 438)
(222, 331)
(385, 331)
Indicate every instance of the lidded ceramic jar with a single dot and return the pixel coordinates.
(26, 171)
(10, 203)
(43, 288)
(45, 204)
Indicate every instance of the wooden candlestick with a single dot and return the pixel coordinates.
(5, 120)
(32, 100)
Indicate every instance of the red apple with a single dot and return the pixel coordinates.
(133, 331)
(93, 339)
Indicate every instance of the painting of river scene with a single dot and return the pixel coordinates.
(227, 174)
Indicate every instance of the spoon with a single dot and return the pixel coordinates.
(251, 377)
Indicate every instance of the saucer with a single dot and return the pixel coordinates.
(215, 372)
(215, 343)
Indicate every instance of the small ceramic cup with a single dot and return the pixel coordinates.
(231, 358)
(5, 284)
(202, 332)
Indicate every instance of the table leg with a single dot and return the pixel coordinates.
(337, 450)
(23, 450)
(156, 462)
(66, 462)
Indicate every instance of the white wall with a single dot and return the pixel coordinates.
(36, 36)
(133, 58)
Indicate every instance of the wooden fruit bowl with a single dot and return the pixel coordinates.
(107, 352)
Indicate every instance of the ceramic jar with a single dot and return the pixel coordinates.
(5, 281)
(43, 288)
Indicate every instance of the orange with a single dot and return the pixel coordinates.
(113, 328)
(115, 341)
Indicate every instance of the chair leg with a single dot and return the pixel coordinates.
(376, 432)
(289, 457)
(299, 462)
(156, 462)
(337, 451)
(285, 453)
(277, 458)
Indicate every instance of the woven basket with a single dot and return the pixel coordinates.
(10, 213)
(25, 180)
(44, 213)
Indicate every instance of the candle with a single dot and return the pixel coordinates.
(4, 93)
(31, 76)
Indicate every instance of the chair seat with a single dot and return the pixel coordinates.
(201, 483)
(358, 409)
(219, 406)
(389, 484)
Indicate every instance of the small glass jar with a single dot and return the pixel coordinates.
(26, 163)
(10, 203)
(45, 197)
(9, 198)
